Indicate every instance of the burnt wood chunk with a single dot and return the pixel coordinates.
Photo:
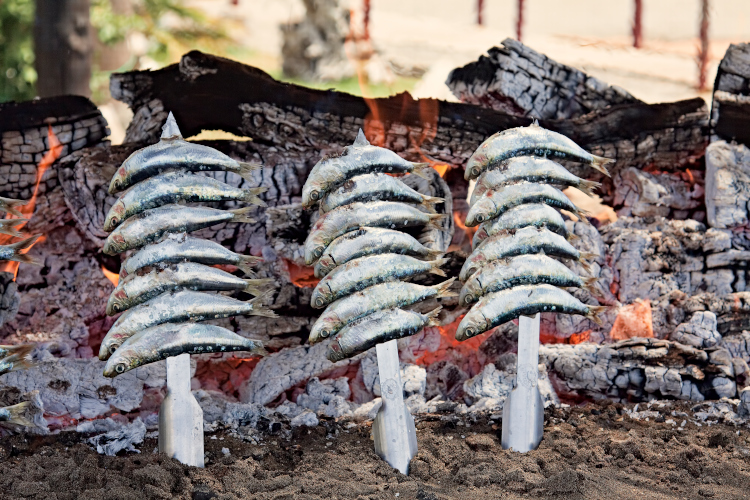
(730, 112)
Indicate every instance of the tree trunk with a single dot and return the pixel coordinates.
(62, 46)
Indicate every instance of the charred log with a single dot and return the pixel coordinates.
(731, 101)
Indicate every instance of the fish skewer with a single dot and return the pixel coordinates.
(178, 307)
(351, 217)
(162, 341)
(500, 307)
(534, 215)
(173, 152)
(150, 225)
(360, 273)
(135, 289)
(492, 204)
(9, 205)
(181, 247)
(529, 169)
(370, 241)
(359, 158)
(392, 294)
(521, 270)
(527, 240)
(375, 187)
(176, 187)
(376, 328)
(529, 141)
(12, 251)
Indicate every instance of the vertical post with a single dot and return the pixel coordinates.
(480, 12)
(393, 430)
(519, 22)
(637, 27)
(180, 416)
(366, 19)
(523, 412)
(704, 48)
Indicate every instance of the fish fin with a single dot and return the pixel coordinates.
(19, 362)
(433, 315)
(420, 170)
(22, 245)
(434, 254)
(435, 267)
(535, 123)
(251, 196)
(599, 162)
(7, 226)
(595, 312)
(429, 202)
(254, 286)
(588, 187)
(588, 256)
(247, 169)
(16, 414)
(240, 215)
(589, 284)
(443, 289)
(246, 264)
(573, 237)
(262, 311)
(434, 218)
(20, 351)
(583, 215)
(9, 205)
(361, 140)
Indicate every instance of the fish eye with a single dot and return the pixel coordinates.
(314, 195)
(469, 332)
(115, 221)
(480, 218)
(120, 368)
(112, 349)
(115, 308)
(324, 333)
(319, 302)
(475, 171)
(318, 252)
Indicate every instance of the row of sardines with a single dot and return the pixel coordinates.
(512, 270)
(169, 283)
(365, 251)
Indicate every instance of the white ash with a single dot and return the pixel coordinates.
(306, 418)
(490, 388)
(413, 377)
(125, 437)
(727, 184)
(643, 194)
(699, 331)
(328, 397)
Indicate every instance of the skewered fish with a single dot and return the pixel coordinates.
(175, 187)
(359, 158)
(500, 307)
(12, 251)
(535, 215)
(9, 205)
(375, 298)
(529, 141)
(14, 363)
(370, 241)
(8, 226)
(375, 187)
(162, 341)
(378, 327)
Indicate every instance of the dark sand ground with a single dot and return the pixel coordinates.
(588, 452)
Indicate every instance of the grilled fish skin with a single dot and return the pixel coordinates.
(529, 169)
(500, 307)
(375, 298)
(12, 251)
(359, 158)
(9, 205)
(493, 203)
(21, 350)
(150, 225)
(163, 341)
(536, 215)
(521, 270)
(381, 326)
(375, 187)
(8, 226)
(351, 217)
(360, 273)
(14, 363)
(135, 289)
(175, 187)
(181, 247)
(526, 240)
(524, 141)
(370, 241)
(178, 307)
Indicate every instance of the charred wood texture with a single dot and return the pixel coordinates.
(730, 112)
(517, 80)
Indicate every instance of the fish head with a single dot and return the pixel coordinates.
(108, 348)
(321, 295)
(482, 211)
(473, 324)
(312, 192)
(116, 302)
(324, 266)
(476, 164)
(119, 179)
(314, 248)
(470, 293)
(120, 363)
(471, 266)
(114, 244)
(481, 235)
(115, 215)
(323, 328)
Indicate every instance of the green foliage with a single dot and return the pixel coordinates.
(17, 74)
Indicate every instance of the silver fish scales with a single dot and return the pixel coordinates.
(375, 187)
(535, 215)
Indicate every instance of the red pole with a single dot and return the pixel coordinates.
(366, 15)
(480, 11)
(703, 51)
(519, 21)
(637, 30)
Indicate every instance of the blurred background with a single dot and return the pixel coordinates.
(659, 50)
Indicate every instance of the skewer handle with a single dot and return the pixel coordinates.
(393, 430)
(180, 416)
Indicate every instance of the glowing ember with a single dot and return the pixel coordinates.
(300, 276)
(113, 277)
(633, 320)
(449, 345)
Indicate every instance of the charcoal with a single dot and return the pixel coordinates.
(727, 184)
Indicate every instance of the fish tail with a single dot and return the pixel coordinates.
(590, 256)
(433, 316)
(22, 245)
(257, 348)
(16, 414)
(588, 187)
(583, 215)
(19, 362)
(7, 226)
(573, 237)
(435, 267)
(20, 351)
(435, 218)
(599, 162)
(247, 169)
(258, 301)
(429, 202)
(9, 205)
(251, 196)
(594, 314)
(434, 254)
(255, 286)
(443, 289)
(420, 170)
(589, 284)
(240, 215)
(246, 264)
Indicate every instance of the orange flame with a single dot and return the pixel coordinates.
(113, 277)
(633, 320)
(448, 343)
(300, 276)
(27, 209)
